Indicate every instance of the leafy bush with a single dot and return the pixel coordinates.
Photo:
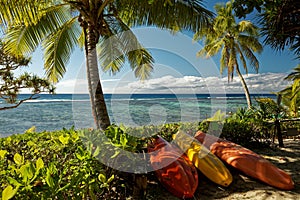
(168, 130)
(55, 165)
(245, 127)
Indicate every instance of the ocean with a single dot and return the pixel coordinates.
(54, 112)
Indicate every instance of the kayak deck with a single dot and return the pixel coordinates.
(173, 169)
(209, 164)
(246, 161)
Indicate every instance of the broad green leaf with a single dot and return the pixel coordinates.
(39, 164)
(79, 156)
(9, 192)
(64, 140)
(75, 136)
(52, 168)
(3, 153)
(13, 181)
(49, 179)
(19, 160)
(30, 143)
(8, 140)
(27, 172)
(102, 178)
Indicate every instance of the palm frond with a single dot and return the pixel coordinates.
(23, 40)
(202, 53)
(58, 48)
(112, 48)
(141, 62)
(294, 75)
(110, 54)
(232, 62)
(251, 42)
(189, 14)
(205, 32)
(215, 48)
(124, 44)
(245, 50)
(22, 12)
(224, 59)
(242, 59)
(248, 27)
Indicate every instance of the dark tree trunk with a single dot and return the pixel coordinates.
(98, 104)
(279, 134)
(139, 187)
(277, 122)
(247, 94)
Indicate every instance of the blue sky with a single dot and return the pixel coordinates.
(176, 68)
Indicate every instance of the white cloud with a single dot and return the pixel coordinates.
(257, 83)
(110, 80)
(72, 86)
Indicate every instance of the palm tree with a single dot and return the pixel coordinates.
(60, 25)
(236, 41)
(291, 94)
(280, 21)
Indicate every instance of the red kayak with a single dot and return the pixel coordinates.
(173, 169)
(246, 161)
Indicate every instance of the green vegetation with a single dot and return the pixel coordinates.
(290, 95)
(10, 85)
(56, 165)
(279, 20)
(68, 164)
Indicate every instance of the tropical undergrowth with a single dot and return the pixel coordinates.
(68, 164)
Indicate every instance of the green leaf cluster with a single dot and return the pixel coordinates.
(11, 86)
(52, 165)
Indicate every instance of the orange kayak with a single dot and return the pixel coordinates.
(173, 169)
(246, 161)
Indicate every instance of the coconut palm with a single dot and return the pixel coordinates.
(236, 41)
(291, 94)
(280, 21)
(60, 25)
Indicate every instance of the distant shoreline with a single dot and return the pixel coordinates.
(242, 94)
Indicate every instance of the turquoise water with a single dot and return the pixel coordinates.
(53, 112)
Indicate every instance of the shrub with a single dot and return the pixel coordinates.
(237, 131)
(53, 165)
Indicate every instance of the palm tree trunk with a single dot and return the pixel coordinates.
(247, 94)
(89, 80)
(95, 89)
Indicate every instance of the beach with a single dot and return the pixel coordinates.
(243, 187)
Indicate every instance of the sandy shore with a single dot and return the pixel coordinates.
(242, 187)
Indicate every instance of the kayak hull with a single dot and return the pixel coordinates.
(246, 161)
(209, 164)
(173, 169)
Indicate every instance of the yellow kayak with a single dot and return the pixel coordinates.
(203, 159)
